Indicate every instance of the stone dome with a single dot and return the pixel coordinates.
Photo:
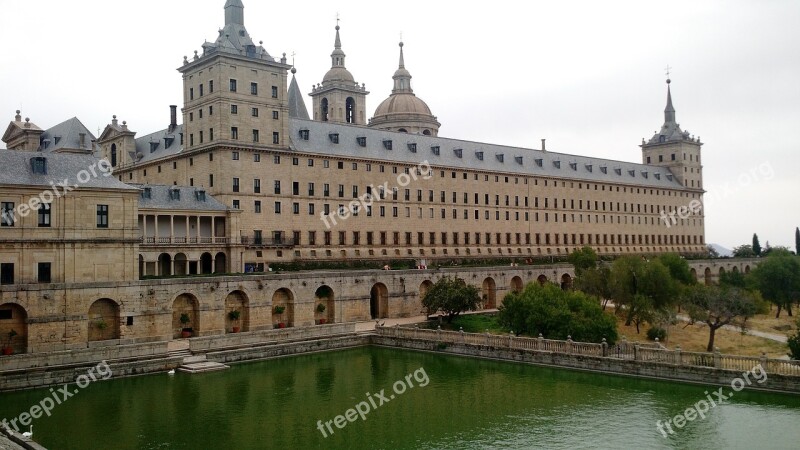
(338, 73)
(402, 104)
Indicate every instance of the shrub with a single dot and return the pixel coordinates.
(656, 332)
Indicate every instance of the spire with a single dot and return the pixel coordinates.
(337, 57)
(297, 107)
(669, 111)
(234, 12)
(402, 62)
(402, 77)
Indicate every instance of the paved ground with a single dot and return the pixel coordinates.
(370, 325)
(762, 334)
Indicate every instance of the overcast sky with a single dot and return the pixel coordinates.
(586, 75)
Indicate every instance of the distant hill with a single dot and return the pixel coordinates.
(722, 251)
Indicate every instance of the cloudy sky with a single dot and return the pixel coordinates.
(586, 75)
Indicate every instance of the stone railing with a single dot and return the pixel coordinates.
(646, 353)
(208, 343)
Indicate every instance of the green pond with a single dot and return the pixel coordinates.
(455, 403)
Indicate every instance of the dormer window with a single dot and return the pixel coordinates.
(632, 173)
(147, 193)
(56, 139)
(588, 167)
(361, 141)
(557, 164)
(518, 159)
(168, 141)
(479, 155)
(573, 166)
(669, 176)
(153, 146)
(174, 194)
(39, 165)
(412, 147)
(458, 152)
(604, 169)
(387, 144)
(435, 150)
(200, 195)
(334, 137)
(618, 171)
(657, 175)
(539, 162)
(304, 135)
(644, 173)
(500, 157)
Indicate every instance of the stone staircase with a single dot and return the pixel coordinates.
(200, 364)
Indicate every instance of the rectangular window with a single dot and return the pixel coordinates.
(233, 85)
(275, 115)
(234, 109)
(258, 206)
(235, 185)
(7, 214)
(295, 208)
(255, 135)
(235, 156)
(277, 187)
(295, 188)
(7, 273)
(191, 93)
(274, 91)
(210, 86)
(277, 207)
(211, 180)
(44, 214)
(44, 274)
(256, 157)
(326, 190)
(254, 112)
(234, 133)
(254, 88)
(276, 137)
(235, 204)
(257, 186)
(102, 216)
(311, 189)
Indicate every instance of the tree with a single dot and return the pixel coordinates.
(756, 245)
(718, 306)
(595, 283)
(794, 343)
(777, 277)
(712, 252)
(556, 314)
(632, 276)
(797, 241)
(452, 297)
(583, 259)
(744, 251)
(678, 268)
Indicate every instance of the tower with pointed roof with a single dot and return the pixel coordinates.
(675, 149)
(403, 111)
(339, 98)
(235, 92)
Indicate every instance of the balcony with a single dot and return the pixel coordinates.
(256, 241)
(183, 241)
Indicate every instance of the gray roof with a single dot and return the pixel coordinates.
(471, 155)
(66, 136)
(671, 130)
(159, 144)
(18, 170)
(234, 38)
(297, 106)
(188, 199)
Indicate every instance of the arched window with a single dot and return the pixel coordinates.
(113, 155)
(323, 110)
(350, 110)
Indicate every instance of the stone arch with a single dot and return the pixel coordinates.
(747, 269)
(185, 304)
(164, 264)
(566, 281)
(237, 301)
(284, 298)
(721, 271)
(707, 276)
(14, 317)
(324, 296)
(220, 263)
(489, 293)
(103, 320)
(516, 284)
(350, 110)
(379, 301)
(181, 264)
(542, 279)
(735, 269)
(426, 132)
(424, 288)
(694, 274)
(323, 109)
(205, 263)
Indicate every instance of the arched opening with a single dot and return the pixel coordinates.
(164, 264)
(426, 132)
(489, 293)
(516, 284)
(13, 329)
(707, 275)
(735, 269)
(220, 263)
(185, 316)
(379, 301)
(237, 312)
(350, 110)
(746, 269)
(542, 279)
(402, 130)
(282, 308)
(323, 110)
(103, 320)
(180, 263)
(566, 281)
(205, 263)
(424, 287)
(113, 155)
(694, 274)
(324, 306)
(721, 271)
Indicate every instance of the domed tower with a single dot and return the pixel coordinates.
(403, 111)
(339, 98)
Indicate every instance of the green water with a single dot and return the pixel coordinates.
(467, 404)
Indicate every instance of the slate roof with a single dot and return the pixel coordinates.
(671, 130)
(18, 170)
(297, 106)
(189, 201)
(470, 155)
(159, 144)
(66, 136)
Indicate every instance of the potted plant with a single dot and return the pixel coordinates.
(321, 309)
(279, 310)
(8, 349)
(186, 331)
(234, 316)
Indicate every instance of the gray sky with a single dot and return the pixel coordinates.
(586, 75)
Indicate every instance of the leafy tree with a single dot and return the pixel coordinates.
(756, 245)
(768, 250)
(777, 277)
(794, 343)
(718, 306)
(451, 296)
(712, 252)
(744, 251)
(595, 283)
(797, 241)
(583, 259)
(556, 314)
(631, 277)
(678, 268)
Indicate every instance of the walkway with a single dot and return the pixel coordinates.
(370, 325)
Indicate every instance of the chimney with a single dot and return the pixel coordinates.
(82, 140)
(173, 117)
(544, 149)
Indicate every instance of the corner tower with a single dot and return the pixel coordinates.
(403, 111)
(675, 149)
(339, 98)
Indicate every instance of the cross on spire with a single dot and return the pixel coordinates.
(337, 19)
(668, 69)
